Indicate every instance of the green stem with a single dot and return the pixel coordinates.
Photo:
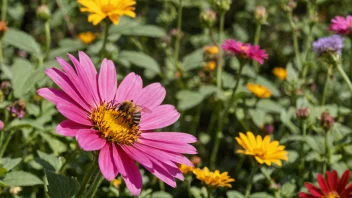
(1, 56)
(221, 58)
(344, 76)
(218, 136)
(105, 38)
(178, 35)
(327, 151)
(48, 39)
(323, 99)
(161, 185)
(256, 42)
(232, 98)
(6, 142)
(3, 10)
(250, 180)
(272, 182)
(96, 183)
(303, 154)
(295, 40)
(312, 12)
(210, 192)
(87, 176)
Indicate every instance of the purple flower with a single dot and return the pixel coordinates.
(1, 125)
(330, 44)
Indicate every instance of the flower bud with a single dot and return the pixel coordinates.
(211, 50)
(17, 109)
(3, 28)
(176, 33)
(208, 18)
(2, 125)
(326, 120)
(269, 129)
(5, 87)
(211, 65)
(196, 160)
(15, 190)
(261, 14)
(289, 6)
(303, 113)
(43, 13)
(222, 5)
(116, 182)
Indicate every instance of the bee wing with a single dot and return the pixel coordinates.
(143, 109)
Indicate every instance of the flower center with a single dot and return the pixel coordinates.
(259, 152)
(244, 48)
(332, 195)
(107, 8)
(117, 123)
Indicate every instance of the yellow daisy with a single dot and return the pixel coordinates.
(211, 65)
(114, 9)
(213, 179)
(259, 90)
(185, 169)
(116, 182)
(211, 49)
(280, 73)
(263, 150)
(86, 37)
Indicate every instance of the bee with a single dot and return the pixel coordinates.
(132, 111)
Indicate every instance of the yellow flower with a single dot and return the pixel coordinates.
(185, 169)
(211, 49)
(259, 90)
(280, 72)
(86, 37)
(116, 182)
(213, 179)
(211, 65)
(114, 9)
(263, 150)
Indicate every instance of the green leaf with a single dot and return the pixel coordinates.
(21, 70)
(23, 41)
(25, 123)
(49, 162)
(193, 60)
(141, 59)
(21, 178)
(288, 190)
(188, 99)
(9, 163)
(234, 194)
(161, 194)
(60, 186)
(261, 195)
(268, 105)
(258, 117)
(56, 145)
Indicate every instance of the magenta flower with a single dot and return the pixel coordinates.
(118, 121)
(341, 25)
(245, 50)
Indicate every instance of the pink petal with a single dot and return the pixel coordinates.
(54, 95)
(162, 174)
(164, 155)
(61, 79)
(72, 75)
(74, 113)
(129, 86)
(69, 128)
(151, 96)
(89, 140)
(107, 163)
(137, 155)
(172, 170)
(175, 137)
(129, 171)
(161, 116)
(107, 81)
(172, 147)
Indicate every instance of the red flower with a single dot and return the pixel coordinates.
(331, 187)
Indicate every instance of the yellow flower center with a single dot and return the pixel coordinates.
(259, 152)
(115, 124)
(244, 48)
(107, 8)
(332, 195)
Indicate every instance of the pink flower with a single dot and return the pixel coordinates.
(118, 121)
(341, 25)
(245, 50)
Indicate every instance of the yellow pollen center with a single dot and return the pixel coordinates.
(259, 152)
(115, 125)
(244, 48)
(107, 8)
(332, 195)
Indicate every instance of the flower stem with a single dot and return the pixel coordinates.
(3, 10)
(96, 183)
(105, 39)
(295, 40)
(327, 151)
(48, 39)
(256, 42)
(250, 180)
(323, 99)
(178, 35)
(87, 176)
(6, 142)
(344, 76)
(303, 154)
(221, 58)
(272, 182)
(232, 98)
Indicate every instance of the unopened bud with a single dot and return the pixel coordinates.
(303, 113)
(222, 5)
(290, 6)
(208, 18)
(43, 12)
(326, 120)
(3, 28)
(2, 125)
(176, 33)
(261, 14)
(15, 190)
(196, 161)
(211, 65)
(269, 128)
